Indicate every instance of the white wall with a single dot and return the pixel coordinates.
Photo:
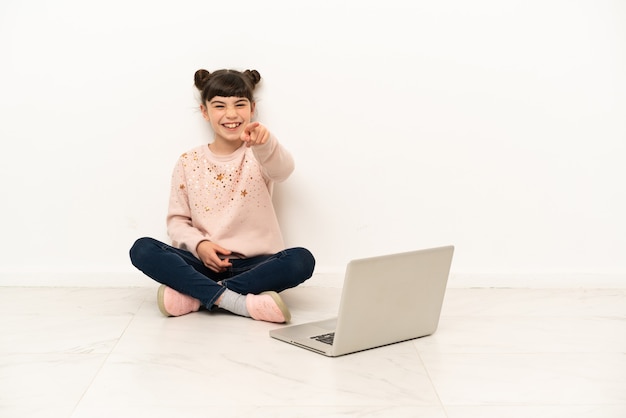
(496, 126)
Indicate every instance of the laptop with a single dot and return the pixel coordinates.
(385, 300)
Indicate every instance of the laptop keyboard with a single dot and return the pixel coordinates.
(325, 338)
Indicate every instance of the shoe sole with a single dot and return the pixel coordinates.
(161, 300)
(281, 305)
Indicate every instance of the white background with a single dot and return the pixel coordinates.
(496, 126)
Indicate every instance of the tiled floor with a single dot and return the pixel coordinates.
(107, 352)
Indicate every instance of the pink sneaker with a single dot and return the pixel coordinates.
(268, 306)
(173, 303)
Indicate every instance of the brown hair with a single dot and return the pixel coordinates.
(226, 83)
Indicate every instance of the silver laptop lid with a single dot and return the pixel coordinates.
(391, 298)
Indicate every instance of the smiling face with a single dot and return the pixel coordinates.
(228, 117)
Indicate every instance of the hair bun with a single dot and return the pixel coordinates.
(200, 78)
(253, 75)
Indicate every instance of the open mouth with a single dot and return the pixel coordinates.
(231, 125)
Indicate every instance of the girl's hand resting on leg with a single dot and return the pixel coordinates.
(213, 256)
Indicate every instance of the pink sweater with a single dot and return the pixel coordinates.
(227, 199)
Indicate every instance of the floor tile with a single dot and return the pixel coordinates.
(45, 384)
(71, 301)
(535, 302)
(538, 411)
(275, 411)
(267, 374)
(95, 352)
(526, 334)
(553, 378)
(62, 334)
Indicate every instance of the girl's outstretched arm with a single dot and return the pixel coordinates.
(277, 162)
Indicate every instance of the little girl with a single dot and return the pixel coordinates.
(227, 248)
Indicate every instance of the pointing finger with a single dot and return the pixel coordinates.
(251, 127)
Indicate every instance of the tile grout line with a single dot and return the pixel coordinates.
(432, 383)
(106, 358)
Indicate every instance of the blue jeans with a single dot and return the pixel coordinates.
(185, 273)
